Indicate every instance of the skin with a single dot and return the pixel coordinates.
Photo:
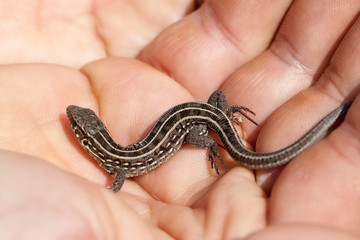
(290, 62)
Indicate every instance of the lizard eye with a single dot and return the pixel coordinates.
(85, 142)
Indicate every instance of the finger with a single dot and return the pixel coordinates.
(133, 94)
(235, 206)
(339, 83)
(205, 47)
(335, 184)
(297, 57)
(232, 208)
(322, 186)
(292, 64)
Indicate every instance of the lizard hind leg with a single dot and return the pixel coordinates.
(197, 137)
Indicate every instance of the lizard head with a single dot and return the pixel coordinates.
(84, 123)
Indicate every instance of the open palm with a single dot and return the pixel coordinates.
(290, 62)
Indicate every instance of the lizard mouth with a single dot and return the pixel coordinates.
(71, 112)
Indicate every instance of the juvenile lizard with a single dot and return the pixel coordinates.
(187, 122)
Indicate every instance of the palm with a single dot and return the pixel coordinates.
(183, 198)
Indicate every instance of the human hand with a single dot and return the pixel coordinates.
(316, 42)
(145, 208)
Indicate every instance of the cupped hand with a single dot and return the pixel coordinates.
(290, 62)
